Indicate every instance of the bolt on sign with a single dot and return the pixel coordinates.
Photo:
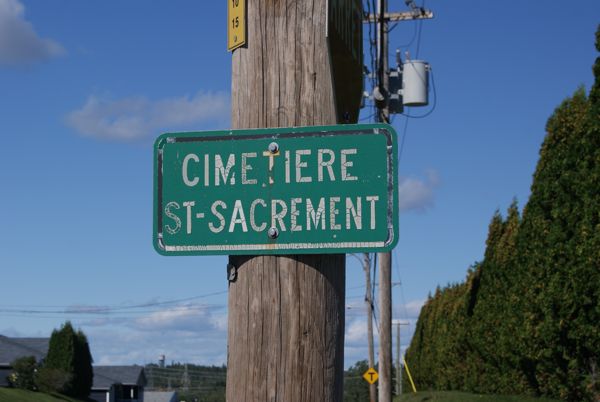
(236, 24)
(371, 376)
(328, 189)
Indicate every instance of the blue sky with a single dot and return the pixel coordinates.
(85, 87)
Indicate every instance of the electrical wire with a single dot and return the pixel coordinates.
(376, 66)
(153, 304)
(374, 285)
(420, 29)
(404, 134)
(374, 309)
(169, 372)
(369, 117)
(97, 309)
(102, 313)
(392, 28)
(118, 312)
(356, 287)
(372, 49)
(396, 265)
(371, 40)
(419, 34)
(212, 377)
(412, 39)
(373, 282)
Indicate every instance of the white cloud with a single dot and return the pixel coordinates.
(181, 318)
(138, 117)
(115, 346)
(86, 309)
(356, 331)
(195, 333)
(415, 194)
(19, 43)
(413, 308)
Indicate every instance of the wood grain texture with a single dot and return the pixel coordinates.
(283, 77)
(286, 313)
(286, 323)
(385, 327)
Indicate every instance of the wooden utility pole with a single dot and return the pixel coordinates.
(286, 313)
(382, 17)
(385, 259)
(369, 306)
(398, 367)
(385, 330)
(398, 360)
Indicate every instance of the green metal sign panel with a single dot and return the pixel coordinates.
(328, 189)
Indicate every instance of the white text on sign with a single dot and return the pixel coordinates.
(294, 214)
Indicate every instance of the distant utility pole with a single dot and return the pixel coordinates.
(185, 380)
(286, 313)
(398, 370)
(369, 305)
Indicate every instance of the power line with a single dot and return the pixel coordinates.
(420, 29)
(397, 266)
(178, 375)
(404, 133)
(369, 117)
(412, 39)
(102, 309)
(119, 311)
(197, 371)
(102, 312)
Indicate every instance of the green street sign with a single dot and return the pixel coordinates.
(328, 189)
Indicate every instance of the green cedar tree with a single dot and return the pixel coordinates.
(69, 353)
(526, 319)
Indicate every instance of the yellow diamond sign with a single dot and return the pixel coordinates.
(371, 375)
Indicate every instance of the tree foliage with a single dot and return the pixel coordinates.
(526, 318)
(23, 373)
(207, 383)
(203, 384)
(68, 365)
(356, 389)
(50, 380)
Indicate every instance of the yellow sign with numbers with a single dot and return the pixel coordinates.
(236, 24)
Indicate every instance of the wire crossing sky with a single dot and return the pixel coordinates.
(86, 87)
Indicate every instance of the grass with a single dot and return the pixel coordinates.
(19, 395)
(448, 396)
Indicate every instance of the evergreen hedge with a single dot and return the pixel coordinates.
(527, 318)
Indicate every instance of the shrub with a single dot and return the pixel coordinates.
(52, 380)
(23, 373)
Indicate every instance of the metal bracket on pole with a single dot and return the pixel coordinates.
(231, 273)
(404, 16)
